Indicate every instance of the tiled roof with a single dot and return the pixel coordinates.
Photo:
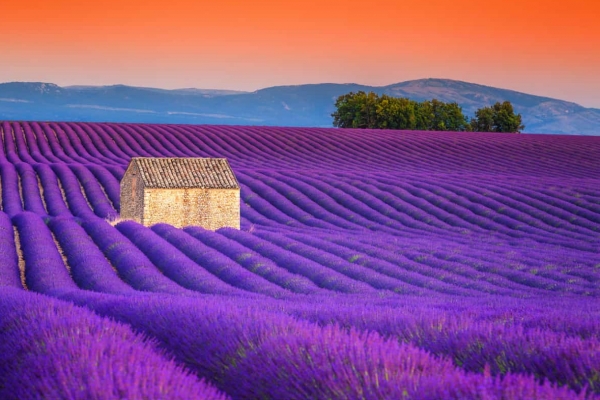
(208, 173)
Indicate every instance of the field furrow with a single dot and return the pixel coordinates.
(369, 264)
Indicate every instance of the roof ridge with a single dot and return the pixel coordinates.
(186, 172)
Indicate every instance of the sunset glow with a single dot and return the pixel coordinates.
(541, 47)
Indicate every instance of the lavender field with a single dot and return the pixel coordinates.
(370, 264)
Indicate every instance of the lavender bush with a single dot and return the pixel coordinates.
(371, 264)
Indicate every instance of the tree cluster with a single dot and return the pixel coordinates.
(368, 110)
(500, 117)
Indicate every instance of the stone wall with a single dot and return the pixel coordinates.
(132, 195)
(210, 208)
(224, 209)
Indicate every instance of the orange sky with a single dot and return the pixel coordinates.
(544, 47)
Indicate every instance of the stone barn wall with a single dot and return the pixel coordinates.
(132, 195)
(181, 192)
(210, 208)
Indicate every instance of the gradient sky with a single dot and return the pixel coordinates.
(544, 47)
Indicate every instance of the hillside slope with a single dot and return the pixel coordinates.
(459, 188)
(412, 264)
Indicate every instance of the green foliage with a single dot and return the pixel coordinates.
(484, 120)
(440, 116)
(356, 110)
(500, 117)
(396, 113)
(368, 110)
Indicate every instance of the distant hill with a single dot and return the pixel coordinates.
(301, 105)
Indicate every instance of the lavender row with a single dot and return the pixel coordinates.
(38, 144)
(256, 354)
(45, 270)
(308, 206)
(280, 204)
(131, 264)
(109, 183)
(9, 143)
(94, 193)
(322, 276)
(78, 204)
(410, 151)
(517, 229)
(107, 141)
(138, 146)
(9, 263)
(543, 211)
(65, 144)
(172, 262)
(261, 209)
(76, 141)
(221, 266)
(11, 189)
(4, 131)
(469, 274)
(396, 280)
(474, 341)
(254, 262)
(406, 214)
(22, 149)
(88, 266)
(158, 141)
(52, 349)
(32, 199)
(493, 200)
(446, 278)
(53, 143)
(53, 195)
(313, 208)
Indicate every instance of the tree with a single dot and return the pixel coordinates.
(500, 117)
(440, 116)
(484, 120)
(424, 116)
(356, 110)
(347, 107)
(368, 110)
(396, 113)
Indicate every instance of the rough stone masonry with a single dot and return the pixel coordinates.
(181, 192)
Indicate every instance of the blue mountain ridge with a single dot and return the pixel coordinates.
(299, 105)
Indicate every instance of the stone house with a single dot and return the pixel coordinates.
(181, 192)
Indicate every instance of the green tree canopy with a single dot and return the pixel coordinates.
(500, 117)
(369, 110)
(396, 113)
(356, 110)
(436, 115)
